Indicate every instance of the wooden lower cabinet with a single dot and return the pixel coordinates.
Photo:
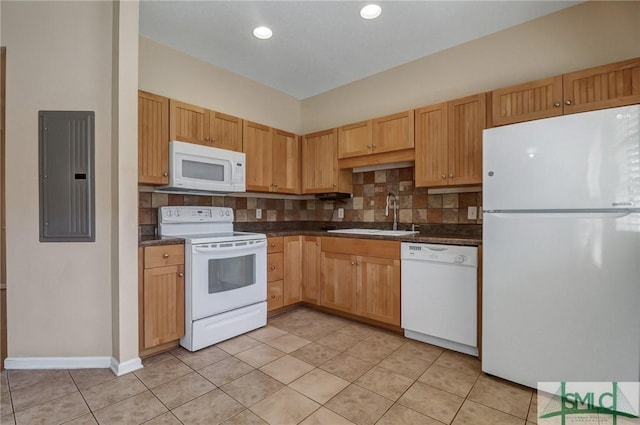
(161, 295)
(274, 295)
(339, 281)
(363, 278)
(293, 270)
(311, 264)
(378, 291)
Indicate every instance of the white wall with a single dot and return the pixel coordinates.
(590, 34)
(59, 294)
(176, 75)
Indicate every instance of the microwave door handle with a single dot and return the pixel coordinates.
(202, 250)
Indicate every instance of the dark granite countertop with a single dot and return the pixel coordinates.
(450, 234)
(152, 240)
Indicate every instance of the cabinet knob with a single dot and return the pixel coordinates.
(165, 255)
(557, 104)
(273, 296)
(273, 244)
(165, 174)
(273, 268)
(353, 263)
(317, 243)
(357, 263)
(374, 145)
(335, 185)
(369, 146)
(568, 102)
(451, 175)
(181, 274)
(213, 140)
(444, 176)
(206, 138)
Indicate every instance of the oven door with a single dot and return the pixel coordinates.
(226, 276)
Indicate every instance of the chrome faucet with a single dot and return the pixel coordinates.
(395, 209)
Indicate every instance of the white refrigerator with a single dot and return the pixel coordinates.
(561, 248)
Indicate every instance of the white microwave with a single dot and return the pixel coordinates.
(202, 169)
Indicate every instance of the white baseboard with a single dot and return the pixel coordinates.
(125, 367)
(57, 362)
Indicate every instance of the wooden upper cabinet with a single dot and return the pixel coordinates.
(153, 139)
(355, 139)
(393, 132)
(467, 119)
(225, 131)
(256, 144)
(286, 162)
(187, 123)
(385, 134)
(319, 164)
(529, 101)
(616, 84)
(449, 142)
(432, 160)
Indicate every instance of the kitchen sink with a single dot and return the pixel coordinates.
(376, 232)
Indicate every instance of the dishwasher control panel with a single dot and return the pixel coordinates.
(453, 254)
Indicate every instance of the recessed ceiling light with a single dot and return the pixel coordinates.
(370, 11)
(263, 33)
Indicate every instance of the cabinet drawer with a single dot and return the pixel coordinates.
(274, 295)
(275, 244)
(275, 269)
(163, 255)
(364, 247)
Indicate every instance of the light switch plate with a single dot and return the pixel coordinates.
(340, 212)
(258, 213)
(472, 213)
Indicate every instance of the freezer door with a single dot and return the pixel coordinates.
(580, 161)
(560, 297)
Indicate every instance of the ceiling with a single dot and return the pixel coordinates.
(320, 45)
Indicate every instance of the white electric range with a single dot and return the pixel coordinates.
(225, 274)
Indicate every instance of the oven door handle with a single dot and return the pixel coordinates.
(201, 250)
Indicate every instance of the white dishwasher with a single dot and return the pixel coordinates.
(439, 295)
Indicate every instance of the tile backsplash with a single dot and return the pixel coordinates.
(367, 205)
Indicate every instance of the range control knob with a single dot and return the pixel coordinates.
(177, 212)
(459, 259)
(221, 213)
(169, 213)
(227, 213)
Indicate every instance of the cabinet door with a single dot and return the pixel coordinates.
(339, 274)
(163, 305)
(393, 132)
(608, 86)
(225, 131)
(355, 139)
(187, 123)
(319, 167)
(256, 143)
(286, 162)
(379, 289)
(293, 266)
(467, 119)
(431, 145)
(311, 269)
(153, 139)
(525, 102)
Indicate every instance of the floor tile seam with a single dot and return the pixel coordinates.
(84, 414)
(383, 396)
(13, 407)
(337, 413)
(449, 392)
(427, 415)
(94, 385)
(37, 383)
(215, 387)
(15, 414)
(241, 403)
(494, 409)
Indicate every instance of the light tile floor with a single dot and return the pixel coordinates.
(304, 367)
